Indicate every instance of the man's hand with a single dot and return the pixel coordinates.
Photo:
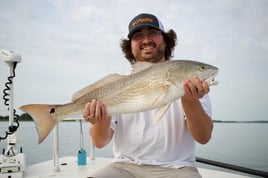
(95, 112)
(195, 89)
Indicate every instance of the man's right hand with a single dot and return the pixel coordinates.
(95, 112)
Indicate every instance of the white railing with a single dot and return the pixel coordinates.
(56, 145)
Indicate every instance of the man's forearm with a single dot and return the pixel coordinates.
(198, 122)
(101, 133)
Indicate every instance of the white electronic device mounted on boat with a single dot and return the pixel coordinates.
(12, 161)
(9, 56)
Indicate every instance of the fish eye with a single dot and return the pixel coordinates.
(202, 68)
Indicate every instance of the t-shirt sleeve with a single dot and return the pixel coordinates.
(206, 104)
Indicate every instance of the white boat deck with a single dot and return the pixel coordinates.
(70, 169)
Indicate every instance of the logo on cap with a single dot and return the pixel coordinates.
(142, 20)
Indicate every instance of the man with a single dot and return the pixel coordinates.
(143, 149)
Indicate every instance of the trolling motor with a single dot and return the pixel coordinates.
(12, 161)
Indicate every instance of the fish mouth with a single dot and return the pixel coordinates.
(211, 80)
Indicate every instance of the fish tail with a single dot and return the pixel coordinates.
(44, 117)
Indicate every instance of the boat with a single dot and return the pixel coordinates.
(82, 165)
(69, 169)
(13, 164)
(73, 167)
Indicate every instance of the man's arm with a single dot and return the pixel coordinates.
(198, 122)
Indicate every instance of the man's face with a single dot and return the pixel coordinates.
(147, 44)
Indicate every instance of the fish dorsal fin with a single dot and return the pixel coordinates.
(160, 112)
(140, 66)
(100, 83)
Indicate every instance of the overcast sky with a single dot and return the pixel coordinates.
(66, 45)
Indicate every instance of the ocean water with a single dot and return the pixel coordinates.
(243, 144)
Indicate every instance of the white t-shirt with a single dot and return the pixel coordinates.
(167, 143)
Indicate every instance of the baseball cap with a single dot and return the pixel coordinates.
(144, 20)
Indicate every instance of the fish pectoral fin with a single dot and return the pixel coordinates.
(160, 112)
(162, 94)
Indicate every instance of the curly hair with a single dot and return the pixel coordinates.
(170, 39)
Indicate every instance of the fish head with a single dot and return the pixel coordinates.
(206, 72)
(186, 69)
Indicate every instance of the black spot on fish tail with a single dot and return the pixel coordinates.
(52, 110)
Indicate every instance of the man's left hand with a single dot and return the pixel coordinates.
(195, 89)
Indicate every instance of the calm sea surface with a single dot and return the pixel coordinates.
(243, 144)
